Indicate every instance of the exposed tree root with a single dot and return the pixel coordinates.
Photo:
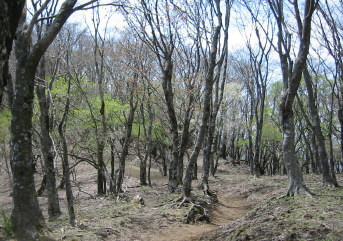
(296, 190)
(197, 213)
(182, 201)
(212, 196)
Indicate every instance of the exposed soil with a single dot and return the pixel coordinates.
(247, 209)
(117, 218)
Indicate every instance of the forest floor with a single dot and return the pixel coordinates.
(247, 209)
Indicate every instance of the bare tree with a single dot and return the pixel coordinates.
(162, 43)
(215, 9)
(65, 159)
(220, 78)
(9, 18)
(291, 75)
(47, 144)
(330, 25)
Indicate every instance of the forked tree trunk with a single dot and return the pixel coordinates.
(209, 80)
(26, 217)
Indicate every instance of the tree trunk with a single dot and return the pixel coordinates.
(112, 179)
(169, 98)
(317, 166)
(126, 144)
(184, 137)
(142, 170)
(209, 80)
(295, 177)
(47, 145)
(327, 178)
(26, 215)
(11, 11)
(332, 169)
(101, 165)
(65, 161)
(291, 75)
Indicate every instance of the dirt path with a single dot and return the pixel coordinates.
(105, 218)
(226, 211)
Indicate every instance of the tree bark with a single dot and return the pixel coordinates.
(327, 178)
(47, 143)
(126, 144)
(9, 18)
(294, 172)
(26, 217)
(169, 98)
(291, 75)
(65, 161)
(101, 135)
(209, 81)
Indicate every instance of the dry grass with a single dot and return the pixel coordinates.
(269, 218)
(296, 218)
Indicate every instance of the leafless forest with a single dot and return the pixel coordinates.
(171, 120)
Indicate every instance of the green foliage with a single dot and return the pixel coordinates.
(113, 109)
(242, 143)
(271, 132)
(156, 132)
(7, 225)
(275, 89)
(5, 123)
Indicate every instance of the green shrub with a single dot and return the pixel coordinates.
(7, 225)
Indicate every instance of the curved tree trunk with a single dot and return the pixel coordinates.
(294, 172)
(291, 75)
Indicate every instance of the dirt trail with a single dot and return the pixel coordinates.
(227, 210)
(105, 219)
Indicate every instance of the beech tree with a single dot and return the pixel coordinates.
(162, 42)
(47, 144)
(291, 76)
(9, 18)
(27, 217)
(217, 25)
(330, 24)
(220, 79)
